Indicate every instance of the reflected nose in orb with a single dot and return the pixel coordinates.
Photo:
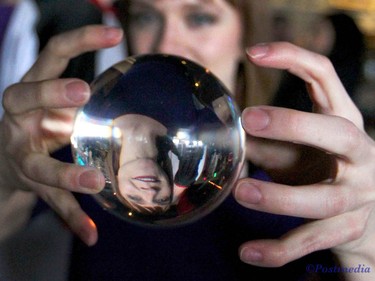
(165, 124)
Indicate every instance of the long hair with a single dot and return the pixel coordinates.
(255, 85)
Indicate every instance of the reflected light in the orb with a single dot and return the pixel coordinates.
(215, 185)
(93, 127)
(167, 137)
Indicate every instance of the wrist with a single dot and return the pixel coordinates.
(357, 266)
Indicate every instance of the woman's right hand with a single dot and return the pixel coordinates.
(38, 120)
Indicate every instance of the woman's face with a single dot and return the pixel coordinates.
(208, 32)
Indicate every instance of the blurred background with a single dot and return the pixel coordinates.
(298, 21)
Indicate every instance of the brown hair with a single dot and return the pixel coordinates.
(255, 85)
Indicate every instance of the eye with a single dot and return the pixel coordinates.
(163, 201)
(143, 19)
(201, 19)
(135, 198)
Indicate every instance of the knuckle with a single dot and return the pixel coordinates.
(47, 93)
(56, 45)
(325, 66)
(66, 177)
(280, 256)
(28, 168)
(352, 137)
(356, 228)
(311, 244)
(296, 123)
(337, 203)
(40, 89)
(87, 38)
(8, 99)
(322, 67)
(86, 32)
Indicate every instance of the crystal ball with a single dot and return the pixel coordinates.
(167, 136)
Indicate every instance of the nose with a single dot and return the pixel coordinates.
(171, 39)
(149, 193)
(153, 197)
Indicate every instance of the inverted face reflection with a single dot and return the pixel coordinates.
(142, 183)
(167, 137)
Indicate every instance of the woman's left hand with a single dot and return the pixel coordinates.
(342, 207)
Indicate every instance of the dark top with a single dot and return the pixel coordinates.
(204, 250)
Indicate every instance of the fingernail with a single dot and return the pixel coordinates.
(248, 193)
(255, 119)
(76, 91)
(89, 179)
(258, 51)
(112, 32)
(251, 255)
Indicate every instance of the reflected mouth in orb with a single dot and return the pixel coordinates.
(147, 179)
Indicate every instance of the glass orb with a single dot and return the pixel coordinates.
(166, 135)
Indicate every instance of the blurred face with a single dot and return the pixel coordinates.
(208, 32)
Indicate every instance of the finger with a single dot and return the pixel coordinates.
(276, 154)
(326, 90)
(311, 237)
(68, 209)
(60, 49)
(45, 170)
(64, 93)
(313, 201)
(332, 134)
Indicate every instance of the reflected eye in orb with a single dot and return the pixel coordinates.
(164, 130)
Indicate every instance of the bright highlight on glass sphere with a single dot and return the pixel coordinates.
(166, 135)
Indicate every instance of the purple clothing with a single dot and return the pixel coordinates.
(5, 14)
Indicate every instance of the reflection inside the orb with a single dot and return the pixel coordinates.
(165, 134)
(155, 170)
(142, 183)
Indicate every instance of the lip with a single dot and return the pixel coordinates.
(151, 179)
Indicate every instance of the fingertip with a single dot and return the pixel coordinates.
(88, 232)
(251, 255)
(112, 35)
(92, 237)
(258, 51)
(77, 92)
(255, 119)
(248, 193)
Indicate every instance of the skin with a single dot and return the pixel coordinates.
(141, 180)
(345, 202)
(207, 32)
